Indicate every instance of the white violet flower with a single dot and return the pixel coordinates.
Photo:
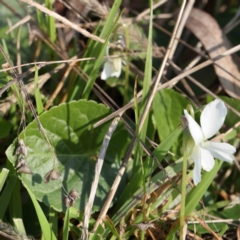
(112, 67)
(204, 152)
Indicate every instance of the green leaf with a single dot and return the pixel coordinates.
(216, 227)
(53, 220)
(5, 128)
(163, 148)
(233, 212)
(45, 226)
(76, 145)
(3, 177)
(15, 204)
(168, 108)
(66, 225)
(38, 99)
(6, 195)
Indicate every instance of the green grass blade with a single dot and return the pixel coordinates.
(160, 152)
(224, 229)
(3, 177)
(50, 22)
(147, 75)
(40, 20)
(6, 195)
(112, 14)
(15, 204)
(38, 99)
(109, 224)
(98, 62)
(18, 223)
(66, 225)
(53, 221)
(138, 168)
(196, 194)
(97, 235)
(45, 226)
(76, 92)
(96, 49)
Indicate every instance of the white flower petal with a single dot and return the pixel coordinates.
(196, 156)
(107, 50)
(221, 151)
(194, 129)
(207, 160)
(117, 63)
(212, 118)
(109, 71)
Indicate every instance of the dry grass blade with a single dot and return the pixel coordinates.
(64, 20)
(231, 24)
(178, 69)
(5, 106)
(186, 13)
(115, 185)
(203, 223)
(238, 233)
(19, 23)
(18, 49)
(42, 63)
(99, 9)
(208, 31)
(59, 86)
(150, 99)
(147, 11)
(98, 168)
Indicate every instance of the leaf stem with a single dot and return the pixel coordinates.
(183, 194)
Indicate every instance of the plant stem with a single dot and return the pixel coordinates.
(183, 194)
(126, 78)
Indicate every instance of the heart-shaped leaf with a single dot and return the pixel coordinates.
(76, 145)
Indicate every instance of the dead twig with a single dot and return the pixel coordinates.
(98, 168)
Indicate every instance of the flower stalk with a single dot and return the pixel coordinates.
(187, 148)
(183, 194)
